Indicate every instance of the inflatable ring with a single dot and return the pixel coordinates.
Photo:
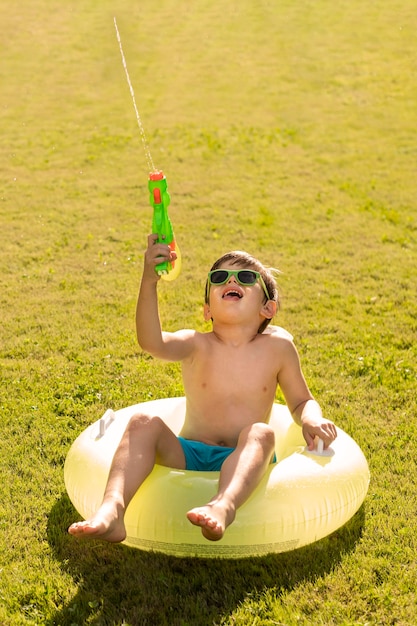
(302, 498)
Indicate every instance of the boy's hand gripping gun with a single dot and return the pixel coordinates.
(161, 224)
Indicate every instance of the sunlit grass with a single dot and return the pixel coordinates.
(285, 129)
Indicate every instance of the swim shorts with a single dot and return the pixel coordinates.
(202, 457)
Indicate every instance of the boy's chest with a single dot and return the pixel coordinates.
(236, 369)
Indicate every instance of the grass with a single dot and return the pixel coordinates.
(286, 129)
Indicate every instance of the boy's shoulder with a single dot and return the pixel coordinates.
(278, 331)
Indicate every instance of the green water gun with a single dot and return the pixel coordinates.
(161, 224)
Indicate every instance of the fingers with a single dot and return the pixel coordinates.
(310, 440)
(326, 431)
(157, 252)
(152, 239)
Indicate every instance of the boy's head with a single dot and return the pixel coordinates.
(243, 260)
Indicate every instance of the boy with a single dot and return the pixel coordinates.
(230, 377)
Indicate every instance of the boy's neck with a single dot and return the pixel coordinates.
(235, 335)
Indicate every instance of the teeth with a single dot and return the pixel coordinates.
(232, 293)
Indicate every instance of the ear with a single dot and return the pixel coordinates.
(207, 314)
(269, 309)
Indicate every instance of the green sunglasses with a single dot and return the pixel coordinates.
(247, 278)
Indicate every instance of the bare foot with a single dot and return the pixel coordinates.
(213, 520)
(106, 524)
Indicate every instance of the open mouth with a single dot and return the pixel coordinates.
(232, 294)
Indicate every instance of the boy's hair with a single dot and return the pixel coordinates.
(245, 260)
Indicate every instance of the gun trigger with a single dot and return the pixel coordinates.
(157, 196)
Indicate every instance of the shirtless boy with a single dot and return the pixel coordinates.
(230, 377)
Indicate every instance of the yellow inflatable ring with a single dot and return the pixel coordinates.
(302, 498)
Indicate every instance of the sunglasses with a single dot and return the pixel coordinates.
(247, 278)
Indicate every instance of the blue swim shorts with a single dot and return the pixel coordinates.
(202, 457)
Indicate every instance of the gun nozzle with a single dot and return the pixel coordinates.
(156, 175)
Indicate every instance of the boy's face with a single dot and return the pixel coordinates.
(236, 301)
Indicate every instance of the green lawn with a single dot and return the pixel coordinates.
(284, 128)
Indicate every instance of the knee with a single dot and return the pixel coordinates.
(264, 435)
(142, 421)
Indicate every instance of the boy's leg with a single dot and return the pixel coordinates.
(146, 441)
(240, 474)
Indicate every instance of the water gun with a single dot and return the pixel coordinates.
(161, 224)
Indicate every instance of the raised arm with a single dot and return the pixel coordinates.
(151, 337)
(305, 410)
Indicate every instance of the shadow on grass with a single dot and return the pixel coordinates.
(121, 585)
